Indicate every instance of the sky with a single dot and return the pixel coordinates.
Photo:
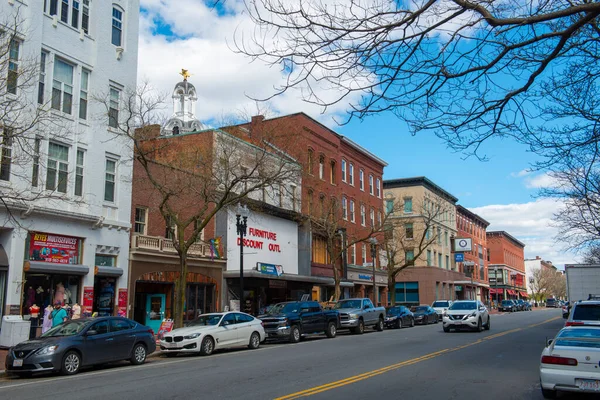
(176, 34)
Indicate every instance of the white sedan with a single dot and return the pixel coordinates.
(213, 332)
(571, 362)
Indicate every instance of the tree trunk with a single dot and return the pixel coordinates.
(180, 286)
(336, 281)
(392, 288)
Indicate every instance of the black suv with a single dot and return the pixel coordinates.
(507, 305)
(551, 303)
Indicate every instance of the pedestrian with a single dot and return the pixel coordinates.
(47, 323)
(58, 315)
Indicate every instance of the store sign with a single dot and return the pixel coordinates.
(274, 283)
(458, 288)
(365, 277)
(269, 240)
(463, 244)
(52, 248)
(270, 269)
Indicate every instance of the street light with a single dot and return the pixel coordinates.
(241, 219)
(496, 284)
(373, 254)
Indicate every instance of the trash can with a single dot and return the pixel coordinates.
(14, 330)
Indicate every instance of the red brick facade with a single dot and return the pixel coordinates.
(471, 225)
(507, 255)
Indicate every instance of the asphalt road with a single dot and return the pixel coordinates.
(412, 363)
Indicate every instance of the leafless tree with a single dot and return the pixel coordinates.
(592, 255)
(548, 282)
(187, 184)
(408, 237)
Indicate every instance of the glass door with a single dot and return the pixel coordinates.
(155, 310)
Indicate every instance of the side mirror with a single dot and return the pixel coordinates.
(549, 342)
(91, 332)
(224, 323)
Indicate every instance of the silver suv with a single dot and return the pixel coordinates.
(467, 314)
(440, 307)
(585, 312)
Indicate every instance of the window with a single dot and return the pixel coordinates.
(117, 325)
(200, 236)
(447, 262)
(310, 202)
(85, 16)
(389, 206)
(294, 194)
(13, 67)
(332, 173)
(378, 187)
(440, 260)
(343, 170)
(352, 210)
(101, 327)
(352, 255)
(64, 11)
(363, 216)
(446, 242)
(428, 233)
(428, 257)
(58, 167)
(364, 253)
(35, 174)
(75, 14)
(6, 159)
(319, 250)
(439, 235)
(309, 161)
(344, 207)
(378, 218)
(371, 184)
(140, 225)
(109, 181)
(408, 206)
(53, 7)
(117, 26)
(83, 94)
(79, 173)
(321, 167)
(361, 179)
(409, 256)
(280, 190)
(322, 204)
(351, 174)
(42, 78)
(434, 256)
(169, 228)
(372, 217)
(102, 260)
(62, 86)
(113, 110)
(409, 231)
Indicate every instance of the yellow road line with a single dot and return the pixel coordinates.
(370, 374)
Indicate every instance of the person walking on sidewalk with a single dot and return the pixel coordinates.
(58, 315)
(47, 322)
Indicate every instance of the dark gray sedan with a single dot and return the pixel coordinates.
(82, 342)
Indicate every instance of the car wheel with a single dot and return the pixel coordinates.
(379, 326)
(399, 323)
(207, 346)
(295, 334)
(436, 319)
(360, 329)
(139, 354)
(331, 330)
(71, 363)
(412, 322)
(548, 394)
(479, 325)
(489, 323)
(446, 329)
(254, 341)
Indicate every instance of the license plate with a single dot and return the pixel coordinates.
(17, 363)
(457, 322)
(588, 384)
(170, 345)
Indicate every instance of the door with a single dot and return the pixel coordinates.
(155, 310)
(98, 348)
(369, 312)
(320, 323)
(228, 331)
(123, 338)
(244, 328)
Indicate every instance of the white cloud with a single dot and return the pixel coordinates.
(520, 174)
(531, 223)
(540, 181)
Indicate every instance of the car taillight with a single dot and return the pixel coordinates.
(150, 331)
(559, 360)
(262, 323)
(574, 323)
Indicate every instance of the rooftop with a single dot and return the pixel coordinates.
(418, 181)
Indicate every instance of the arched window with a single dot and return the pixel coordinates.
(175, 130)
(309, 161)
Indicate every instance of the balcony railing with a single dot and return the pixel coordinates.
(164, 245)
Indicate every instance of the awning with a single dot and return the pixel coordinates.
(511, 292)
(3, 257)
(495, 291)
(109, 271)
(524, 295)
(50, 268)
(317, 280)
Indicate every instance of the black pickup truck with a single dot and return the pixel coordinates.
(292, 319)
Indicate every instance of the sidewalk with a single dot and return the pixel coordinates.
(3, 353)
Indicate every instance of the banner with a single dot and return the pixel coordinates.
(270, 269)
(88, 300)
(55, 249)
(122, 304)
(165, 326)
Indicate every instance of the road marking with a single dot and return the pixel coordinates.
(370, 374)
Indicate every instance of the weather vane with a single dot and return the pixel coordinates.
(185, 74)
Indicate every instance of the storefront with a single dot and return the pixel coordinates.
(362, 278)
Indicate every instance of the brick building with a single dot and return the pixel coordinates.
(506, 266)
(475, 264)
(335, 169)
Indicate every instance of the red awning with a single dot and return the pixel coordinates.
(524, 295)
(511, 292)
(495, 291)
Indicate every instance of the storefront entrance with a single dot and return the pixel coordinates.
(104, 296)
(155, 310)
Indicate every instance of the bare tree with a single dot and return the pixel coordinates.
(407, 237)
(547, 283)
(592, 255)
(187, 184)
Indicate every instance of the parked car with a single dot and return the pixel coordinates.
(551, 303)
(570, 362)
(584, 313)
(214, 331)
(424, 315)
(291, 320)
(467, 314)
(507, 305)
(78, 343)
(566, 308)
(440, 306)
(523, 305)
(398, 317)
(355, 314)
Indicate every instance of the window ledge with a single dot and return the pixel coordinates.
(62, 114)
(110, 205)
(84, 122)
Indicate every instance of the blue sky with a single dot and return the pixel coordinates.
(200, 39)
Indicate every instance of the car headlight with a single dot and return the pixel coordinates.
(353, 316)
(392, 317)
(473, 314)
(192, 336)
(47, 350)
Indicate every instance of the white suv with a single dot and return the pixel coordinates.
(440, 307)
(467, 314)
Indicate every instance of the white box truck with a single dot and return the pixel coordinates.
(583, 282)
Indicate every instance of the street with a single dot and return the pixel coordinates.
(411, 363)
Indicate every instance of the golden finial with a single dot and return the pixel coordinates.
(185, 74)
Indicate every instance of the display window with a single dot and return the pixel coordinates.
(104, 296)
(42, 290)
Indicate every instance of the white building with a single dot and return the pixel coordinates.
(532, 265)
(70, 242)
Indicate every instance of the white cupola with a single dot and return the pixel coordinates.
(184, 98)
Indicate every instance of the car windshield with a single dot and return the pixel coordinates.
(393, 311)
(418, 309)
(348, 304)
(506, 302)
(587, 312)
(464, 305)
(284, 308)
(579, 337)
(206, 320)
(440, 304)
(69, 328)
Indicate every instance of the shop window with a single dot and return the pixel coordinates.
(103, 260)
(407, 292)
(104, 295)
(43, 290)
(198, 300)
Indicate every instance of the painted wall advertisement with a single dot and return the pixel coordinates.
(122, 303)
(52, 248)
(88, 300)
